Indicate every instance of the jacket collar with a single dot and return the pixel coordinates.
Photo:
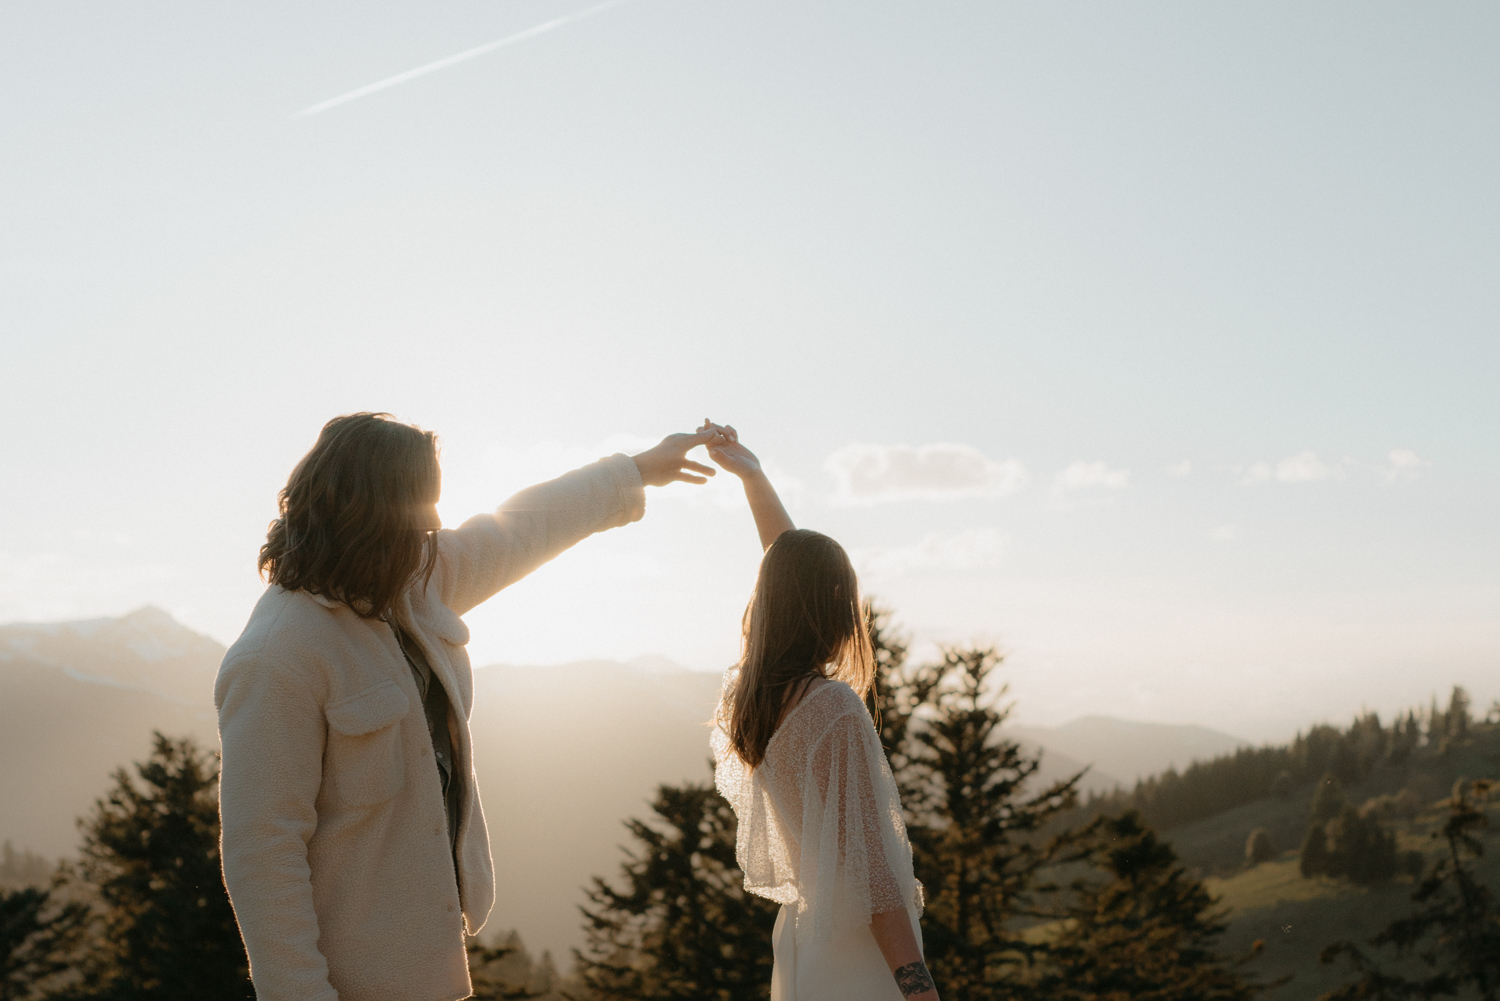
(438, 617)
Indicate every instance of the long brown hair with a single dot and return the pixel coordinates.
(351, 523)
(804, 620)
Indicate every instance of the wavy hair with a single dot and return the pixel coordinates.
(804, 620)
(351, 523)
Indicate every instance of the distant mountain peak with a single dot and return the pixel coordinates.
(146, 618)
(655, 663)
(1130, 749)
(153, 617)
(146, 649)
(1098, 723)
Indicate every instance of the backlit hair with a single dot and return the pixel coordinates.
(352, 525)
(804, 620)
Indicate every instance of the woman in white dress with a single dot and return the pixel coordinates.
(820, 827)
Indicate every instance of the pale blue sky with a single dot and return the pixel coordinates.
(1125, 236)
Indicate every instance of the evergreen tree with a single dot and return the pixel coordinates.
(1406, 736)
(1345, 842)
(1359, 849)
(1258, 847)
(683, 927)
(151, 853)
(39, 940)
(899, 689)
(506, 972)
(975, 832)
(1454, 932)
(1456, 720)
(20, 869)
(1328, 802)
(1145, 932)
(1437, 725)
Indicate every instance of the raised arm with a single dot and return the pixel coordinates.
(492, 551)
(771, 518)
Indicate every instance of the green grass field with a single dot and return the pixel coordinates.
(1295, 917)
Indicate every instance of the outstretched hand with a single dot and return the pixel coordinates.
(771, 519)
(728, 452)
(668, 462)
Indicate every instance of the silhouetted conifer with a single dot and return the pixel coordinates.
(20, 869)
(40, 937)
(681, 926)
(1328, 802)
(1456, 720)
(974, 828)
(899, 688)
(1143, 933)
(1437, 724)
(1359, 849)
(151, 855)
(1258, 847)
(506, 972)
(1454, 932)
(1406, 736)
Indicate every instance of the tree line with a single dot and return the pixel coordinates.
(1349, 754)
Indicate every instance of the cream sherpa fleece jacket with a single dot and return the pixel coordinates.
(335, 847)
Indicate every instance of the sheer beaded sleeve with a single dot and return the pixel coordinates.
(762, 846)
(819, 820)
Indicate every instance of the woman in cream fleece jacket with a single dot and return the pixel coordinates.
(346, 879)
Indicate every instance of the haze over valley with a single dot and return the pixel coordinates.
(564, 753)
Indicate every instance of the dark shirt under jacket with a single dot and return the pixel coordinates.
(435, 706)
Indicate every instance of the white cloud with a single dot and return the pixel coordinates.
(873, 474)
(1404, 464)
(1304, 467)
(1180, 469)
(1091, 475)
(966, 551)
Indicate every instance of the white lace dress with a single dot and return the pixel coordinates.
(820, 832)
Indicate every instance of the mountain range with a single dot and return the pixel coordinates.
(564, 753)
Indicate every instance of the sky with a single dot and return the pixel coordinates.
(1155, 344)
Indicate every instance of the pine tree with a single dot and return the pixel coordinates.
(1345, 842)
(39, 940)
(899, 688)
(1454, 932)
(975, 832)
(1328, 802)
(151, 853)
(1258, 847)
(1143, 933)
(506, 972)
(1359, 849)
(682, 928)
(1406, 735)
(1456, 720)
(20, 869)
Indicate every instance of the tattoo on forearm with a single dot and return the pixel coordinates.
(913, 978)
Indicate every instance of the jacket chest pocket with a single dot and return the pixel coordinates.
(363, 764)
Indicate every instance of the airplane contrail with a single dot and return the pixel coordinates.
(454, 60)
